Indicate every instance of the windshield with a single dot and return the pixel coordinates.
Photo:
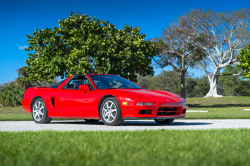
(112, 82)
(57, 84)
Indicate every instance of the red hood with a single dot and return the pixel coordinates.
(158, 96)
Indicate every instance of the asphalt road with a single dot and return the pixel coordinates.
(127, 125)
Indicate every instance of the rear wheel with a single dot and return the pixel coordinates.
(39, 112)
(164, 121)
(110, 112)
(91, 120)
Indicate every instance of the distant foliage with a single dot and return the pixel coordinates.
(233, 86)
(23, 80)
(11, 95)
(196, 86)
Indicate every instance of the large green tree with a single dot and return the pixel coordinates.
(83, 45)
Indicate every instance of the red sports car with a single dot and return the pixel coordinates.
(98, 96)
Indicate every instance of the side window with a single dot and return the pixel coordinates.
(75, 83)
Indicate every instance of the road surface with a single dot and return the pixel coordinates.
(71, 125)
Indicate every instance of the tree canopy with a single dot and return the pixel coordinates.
(223, 35)
(178, 47)
(244, 60)
(85, 45)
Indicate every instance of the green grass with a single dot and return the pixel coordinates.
(14, 113)
(163, 147)
(219, 108)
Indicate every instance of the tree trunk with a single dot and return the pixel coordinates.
(183, 94)
(213, 81)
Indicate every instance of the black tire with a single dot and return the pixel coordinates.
(107, 118)
(37, 112)
(164, 121)
(91, 120)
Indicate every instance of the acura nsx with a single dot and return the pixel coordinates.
(110, 98)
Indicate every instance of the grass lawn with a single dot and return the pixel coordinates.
(163, 147)
(219, 108)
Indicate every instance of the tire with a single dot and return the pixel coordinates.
(91, 120)
(110, 112)
(39, 112)
(164, 121)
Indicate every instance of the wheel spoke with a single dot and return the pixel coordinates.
(109, 117)
(114, 110)
(37, 116)
(112, 116)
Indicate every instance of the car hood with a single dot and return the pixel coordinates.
(159, 96)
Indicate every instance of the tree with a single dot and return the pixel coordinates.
(224, 34)
(85, 45)
(244, 60)
(177, 47)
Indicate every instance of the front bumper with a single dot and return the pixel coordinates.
(160, 111)
(170, 117)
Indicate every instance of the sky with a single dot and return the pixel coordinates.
(19, 18)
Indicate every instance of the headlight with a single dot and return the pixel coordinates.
(144, 103)
(184, 103)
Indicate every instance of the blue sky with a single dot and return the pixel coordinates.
(19, 18)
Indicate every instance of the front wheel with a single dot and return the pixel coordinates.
(164, 121)
(39, 112)
(110, 112)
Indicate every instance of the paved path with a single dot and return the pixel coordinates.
(127, 125)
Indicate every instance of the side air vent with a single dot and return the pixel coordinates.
(53, 101)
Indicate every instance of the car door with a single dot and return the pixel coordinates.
(72, 101)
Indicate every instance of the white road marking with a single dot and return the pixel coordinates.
(196, 111)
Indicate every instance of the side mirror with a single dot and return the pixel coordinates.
(142, 87)
(84, 87)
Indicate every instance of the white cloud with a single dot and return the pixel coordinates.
(22, 47)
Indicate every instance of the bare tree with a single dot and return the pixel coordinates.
(223, 35)
(178, 47)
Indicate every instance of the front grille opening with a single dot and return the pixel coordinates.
(144, 111)
(183, 111)
(165, 113)
(167, 109)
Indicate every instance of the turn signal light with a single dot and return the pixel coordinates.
(124, 103)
